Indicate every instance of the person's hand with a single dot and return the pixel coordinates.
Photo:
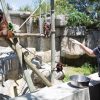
(75, 41)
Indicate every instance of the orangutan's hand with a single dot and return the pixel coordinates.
(10, 34)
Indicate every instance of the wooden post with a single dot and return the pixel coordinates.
(30, 64)
(52, 41)
(25, 71)
(41, 76)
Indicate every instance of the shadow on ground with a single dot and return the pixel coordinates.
(4, 97)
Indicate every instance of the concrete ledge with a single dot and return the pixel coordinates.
(66, 91)
(58, 92)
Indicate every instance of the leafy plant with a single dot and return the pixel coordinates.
(63, 7)
(78, 19)
(88, 69)
(89, 7)
(25, 8)
(75, 18)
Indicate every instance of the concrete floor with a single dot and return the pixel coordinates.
(12, 88)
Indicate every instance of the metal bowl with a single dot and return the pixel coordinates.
(79, 80)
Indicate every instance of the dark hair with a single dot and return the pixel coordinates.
(1, 15)
(59, 66)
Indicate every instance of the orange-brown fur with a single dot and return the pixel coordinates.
(46, 28)
(4, 31)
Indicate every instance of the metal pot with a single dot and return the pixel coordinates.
(79, 80)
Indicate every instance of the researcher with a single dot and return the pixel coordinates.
(91, 52)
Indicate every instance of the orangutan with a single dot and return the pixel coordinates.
(4, 30)
(47, 28)
(59, 66)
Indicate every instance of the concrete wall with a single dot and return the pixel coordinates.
(41, 43)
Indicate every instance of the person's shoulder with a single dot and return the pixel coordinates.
(99, 47)
(96, 51)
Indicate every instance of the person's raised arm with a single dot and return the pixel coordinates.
(87, 50)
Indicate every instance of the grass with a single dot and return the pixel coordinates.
(85, 69)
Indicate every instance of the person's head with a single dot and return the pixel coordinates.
(1, 15)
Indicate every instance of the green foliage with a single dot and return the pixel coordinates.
(63, 7)
(90, 8)
(85, 69)
(25, 8)
(9, 7)
(94, 0)
(66, 78)
(45, 8)
(10, 26)
(88, 69)
(77, 18)
(98, 25)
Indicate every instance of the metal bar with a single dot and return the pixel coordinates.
(52, 41)
(46, 12)
(40, 19)
(26, 34)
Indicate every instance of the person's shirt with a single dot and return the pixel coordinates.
(97, 51)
